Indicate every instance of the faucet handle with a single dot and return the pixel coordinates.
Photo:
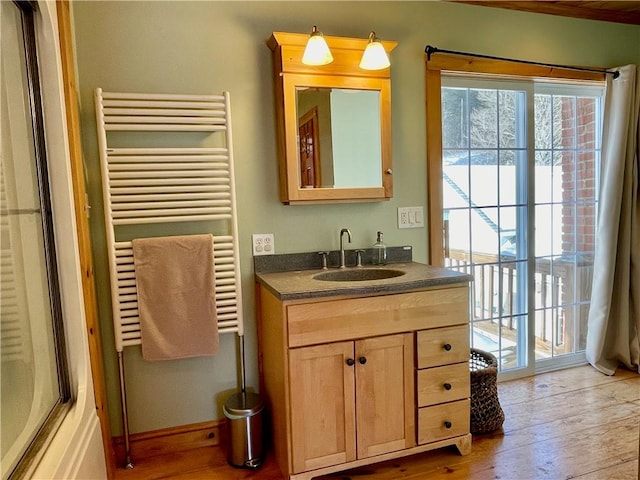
(359, 257)
(323, 256)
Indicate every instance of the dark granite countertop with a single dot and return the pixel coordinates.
(301, 284)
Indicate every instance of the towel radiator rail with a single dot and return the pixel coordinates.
(145, 185)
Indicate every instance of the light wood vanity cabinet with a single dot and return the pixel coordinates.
(353, 381)
(350, 400)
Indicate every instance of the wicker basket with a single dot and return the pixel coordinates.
(486, 412)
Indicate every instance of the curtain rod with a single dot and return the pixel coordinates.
(429, 50)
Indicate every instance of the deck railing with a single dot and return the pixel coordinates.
(561, 299)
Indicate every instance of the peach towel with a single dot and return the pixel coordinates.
(176, 296)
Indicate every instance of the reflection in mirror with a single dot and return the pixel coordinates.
(339, 138)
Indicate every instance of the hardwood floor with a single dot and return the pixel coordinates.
(574, 423)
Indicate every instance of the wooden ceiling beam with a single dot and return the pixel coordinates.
(619, 12)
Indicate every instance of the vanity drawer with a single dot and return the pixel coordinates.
(443, 384)
(345, 319)
(443, 421)
(443, 346)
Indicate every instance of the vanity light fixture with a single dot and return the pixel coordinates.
(374, 57)
(317, 51)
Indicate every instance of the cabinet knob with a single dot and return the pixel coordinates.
(362, 360)
(448, 424)
(447, 386)
(351, 362)
(447, 346)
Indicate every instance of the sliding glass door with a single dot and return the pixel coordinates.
(35, 391)
(517, 213)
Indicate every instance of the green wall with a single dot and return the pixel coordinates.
(210, 47)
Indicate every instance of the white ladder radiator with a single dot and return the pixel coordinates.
(146, 182)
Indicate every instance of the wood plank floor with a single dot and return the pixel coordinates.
(571, 424)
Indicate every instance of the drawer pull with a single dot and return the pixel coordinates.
(447, 424)
(447, 346)
(362, 360)
(351, 362)
(447, 386)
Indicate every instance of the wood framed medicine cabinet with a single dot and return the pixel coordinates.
(333, 123)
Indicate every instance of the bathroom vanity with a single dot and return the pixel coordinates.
(361, 371)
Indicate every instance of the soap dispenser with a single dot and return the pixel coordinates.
(379, 251)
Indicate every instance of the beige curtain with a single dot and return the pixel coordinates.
(614, 316)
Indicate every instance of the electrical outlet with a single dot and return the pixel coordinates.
(410, 217)
(263, 244)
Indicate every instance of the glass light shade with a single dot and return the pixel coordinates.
(317, 51)
(375, 56)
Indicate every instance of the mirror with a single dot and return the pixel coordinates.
(334, 124)
(338, 137)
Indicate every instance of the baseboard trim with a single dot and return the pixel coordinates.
(173, 439)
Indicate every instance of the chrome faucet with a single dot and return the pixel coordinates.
(342, 232)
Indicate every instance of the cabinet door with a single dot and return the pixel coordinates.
(322, 406)
(384, 394)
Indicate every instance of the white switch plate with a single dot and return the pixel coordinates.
(410, 217)
(263, 244)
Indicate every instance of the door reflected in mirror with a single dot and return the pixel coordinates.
(339, 139)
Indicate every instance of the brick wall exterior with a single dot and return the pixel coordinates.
(578, 174)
